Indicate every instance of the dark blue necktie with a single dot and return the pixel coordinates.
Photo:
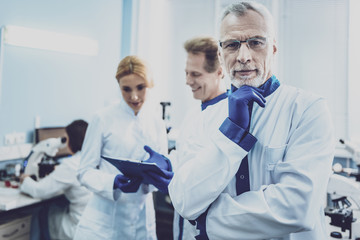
(242, 175)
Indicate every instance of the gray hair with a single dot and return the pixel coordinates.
(241, 8)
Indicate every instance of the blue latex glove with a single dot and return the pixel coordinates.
(127, 185)
(239, 102)
(161, 161)
(159, 181)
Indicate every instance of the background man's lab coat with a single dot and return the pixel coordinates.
(62, 221)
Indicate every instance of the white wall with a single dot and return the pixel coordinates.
(354, 81)
(58, 87)
(313, 38)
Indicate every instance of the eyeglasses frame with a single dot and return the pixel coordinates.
(244, 41)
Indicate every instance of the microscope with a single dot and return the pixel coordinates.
(172, 134)
(341, 190)
(40, 161)
(165, 116)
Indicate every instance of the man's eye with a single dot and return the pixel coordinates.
(195, 74)
(232, 45)
(256, 43)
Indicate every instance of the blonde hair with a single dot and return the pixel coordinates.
(134, 65)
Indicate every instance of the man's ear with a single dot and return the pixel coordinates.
(220, 72)
(274, 47)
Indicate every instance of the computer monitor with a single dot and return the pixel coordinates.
(52, 132)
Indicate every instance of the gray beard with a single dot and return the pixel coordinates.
(256, 82)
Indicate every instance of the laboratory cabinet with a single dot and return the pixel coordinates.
(24, 217)
(18, 229)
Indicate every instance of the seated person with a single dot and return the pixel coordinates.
(63, 220)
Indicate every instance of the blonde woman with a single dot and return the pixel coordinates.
(121, 207)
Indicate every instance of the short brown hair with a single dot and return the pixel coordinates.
(209, 47)
(76, 133)
(134, 65)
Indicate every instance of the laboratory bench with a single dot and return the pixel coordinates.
(23, 217)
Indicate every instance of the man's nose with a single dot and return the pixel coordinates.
(244, 54)
(189, 80)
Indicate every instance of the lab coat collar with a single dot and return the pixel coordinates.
(214, 100)
(270, 86)
(126, 107)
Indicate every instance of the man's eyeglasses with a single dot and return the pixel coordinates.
(255, 43)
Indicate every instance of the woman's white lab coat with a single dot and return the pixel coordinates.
(116, 132)
(289, 168)
(62, 222)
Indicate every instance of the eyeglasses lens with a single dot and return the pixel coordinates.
(253, 43)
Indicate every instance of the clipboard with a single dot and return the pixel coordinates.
(134, 168)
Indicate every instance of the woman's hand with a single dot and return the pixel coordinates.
(125, 184)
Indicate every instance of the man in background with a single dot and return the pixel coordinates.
(62, 220)
(204, 75)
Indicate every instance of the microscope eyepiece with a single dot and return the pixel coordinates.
(63, 140)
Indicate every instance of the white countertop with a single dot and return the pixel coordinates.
(12, 198)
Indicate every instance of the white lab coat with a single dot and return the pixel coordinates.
(184, 142)
(116, 132)
(62, 222)
(289, 168)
